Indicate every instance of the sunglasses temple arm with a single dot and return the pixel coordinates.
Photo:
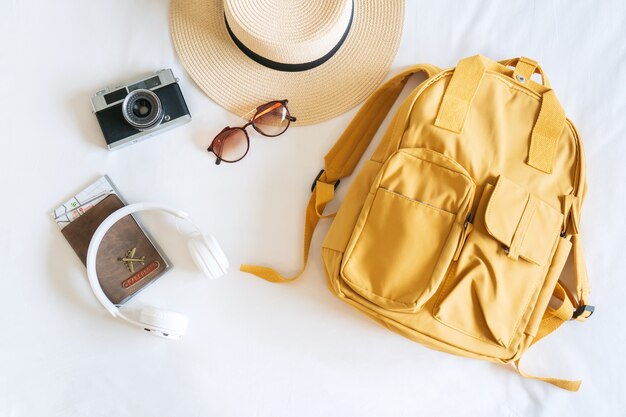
(218, 160)
(269, 109)
(249, 116)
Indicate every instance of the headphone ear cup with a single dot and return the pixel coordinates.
(164, 323)
(208, 255)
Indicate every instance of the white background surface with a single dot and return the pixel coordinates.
(255, 349)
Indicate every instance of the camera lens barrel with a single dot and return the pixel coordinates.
(142, 109)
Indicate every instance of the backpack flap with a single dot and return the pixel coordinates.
(526, 226)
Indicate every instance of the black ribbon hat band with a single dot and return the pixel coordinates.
(281, 66)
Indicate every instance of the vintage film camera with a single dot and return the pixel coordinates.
(140, 109)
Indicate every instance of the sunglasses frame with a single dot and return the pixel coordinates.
(252, 123)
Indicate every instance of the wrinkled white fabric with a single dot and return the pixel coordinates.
(255, 349)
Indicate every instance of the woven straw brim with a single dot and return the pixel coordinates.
(239, 84)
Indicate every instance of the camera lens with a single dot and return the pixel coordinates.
(142, 109)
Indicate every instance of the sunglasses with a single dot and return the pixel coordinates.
(232, 143)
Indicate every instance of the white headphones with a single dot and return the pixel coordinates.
(205, 251)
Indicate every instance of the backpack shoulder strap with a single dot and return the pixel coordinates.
(341, 160)
(572, 307)
(552, 320)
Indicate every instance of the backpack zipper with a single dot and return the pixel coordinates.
(467, 229)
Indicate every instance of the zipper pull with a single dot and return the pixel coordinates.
(467, 229)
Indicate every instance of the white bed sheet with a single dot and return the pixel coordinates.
(255, 349)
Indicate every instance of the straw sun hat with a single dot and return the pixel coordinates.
(324, 56)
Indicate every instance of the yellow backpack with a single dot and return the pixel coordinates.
(455, 232)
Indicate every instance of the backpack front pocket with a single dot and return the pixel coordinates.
(490, 293)
(408, 230)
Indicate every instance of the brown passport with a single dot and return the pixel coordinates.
(127, 260)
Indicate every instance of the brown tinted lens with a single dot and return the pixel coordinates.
(231, 145)
(271, 119)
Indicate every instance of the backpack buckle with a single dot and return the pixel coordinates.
(583, 312)
(318, 177)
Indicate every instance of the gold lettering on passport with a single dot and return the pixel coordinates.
(150, 268)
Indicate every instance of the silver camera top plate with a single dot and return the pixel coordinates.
(110, 96)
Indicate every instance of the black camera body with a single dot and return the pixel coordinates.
(140, 109)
